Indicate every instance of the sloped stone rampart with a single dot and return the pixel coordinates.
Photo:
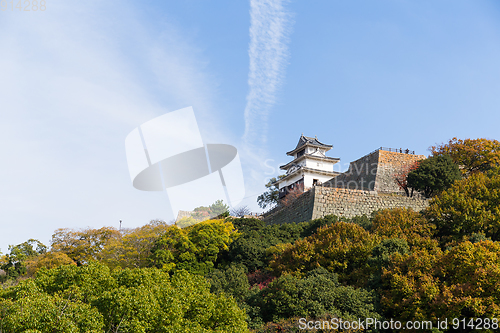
(321, 201)
(299, 210)
(375, 172)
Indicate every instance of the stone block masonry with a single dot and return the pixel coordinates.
(375, 172)
(321, 201)
(349, 203)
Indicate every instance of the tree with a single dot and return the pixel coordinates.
(14, 263)
(250, 248)
(433, 175)
(241, 211)
(219, 208)
(342, 248)
(271, 196)
(194, 248)
(314, 295)
(471, 155)
(133, 247)
(428, 284)
(47, 260)
(401, 178)
(403, 223)
(292, 195)
(216, 210)
(92, 298)
(83, 245)
(470, 206)
(186, 221)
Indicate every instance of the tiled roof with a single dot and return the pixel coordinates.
(304, 140)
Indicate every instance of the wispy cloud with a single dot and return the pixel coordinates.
(270, 27)
(76, 80)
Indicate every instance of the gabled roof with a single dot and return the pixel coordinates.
(307, 141)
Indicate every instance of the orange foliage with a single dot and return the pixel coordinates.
(471, 155)
(292, 195)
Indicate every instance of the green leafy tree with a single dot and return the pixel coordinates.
(270, 198)
(27, 308)
(92, 298)
(471, 205)
(314, 295)
(231, 280)
(250, 248)
(219, 208)
(193, 248)
(472, 155)
(433, 175)
(14, 263)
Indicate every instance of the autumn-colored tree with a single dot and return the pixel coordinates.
(471, 155)
(410, 284)
(433, 175)
(403, 223)
(133, 248)
(343, 248)
(186, 221)
(83, 245)
(292, 194)
(47, 260)
(429, 284)
(401, 177)
(471, 205)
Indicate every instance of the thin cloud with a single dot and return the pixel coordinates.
(72, 87)
(270, 27)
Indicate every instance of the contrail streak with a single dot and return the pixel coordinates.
(270, 27)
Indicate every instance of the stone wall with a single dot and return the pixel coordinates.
(299, 210)
(349, 203)
(361, 174)
(321, 201)
(375, 172)
(389, 163)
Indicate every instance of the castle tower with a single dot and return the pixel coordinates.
(309, 167)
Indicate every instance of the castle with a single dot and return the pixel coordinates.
(368, 185)
(310, 166)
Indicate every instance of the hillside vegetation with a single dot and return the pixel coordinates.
(241, 275)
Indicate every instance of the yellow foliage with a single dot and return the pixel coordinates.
(471, 155)
(48, 260)
(132, 249)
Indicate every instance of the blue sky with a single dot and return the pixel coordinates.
(78, 77)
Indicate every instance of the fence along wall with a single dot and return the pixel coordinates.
(321, 201)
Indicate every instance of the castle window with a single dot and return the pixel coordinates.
(315, 182)
(300, 153)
